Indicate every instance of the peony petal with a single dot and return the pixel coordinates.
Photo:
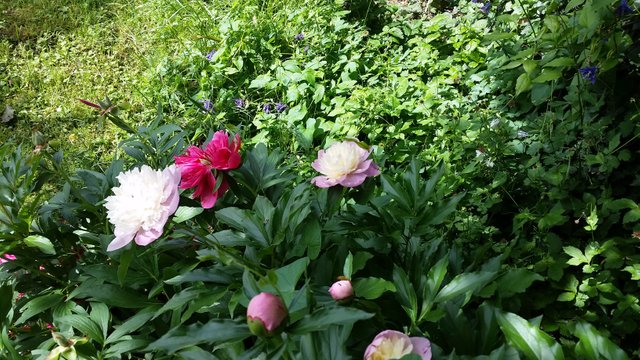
(317, 164)
(373, 170)
(323, 182)
(146, 237)
(421, 347)
(353, 180)
(120, 241)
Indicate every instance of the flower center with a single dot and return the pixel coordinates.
(340, 160)
(389, 349)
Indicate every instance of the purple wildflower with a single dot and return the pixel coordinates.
(299, 37)
(280, 107)
(474, 1)
(240, 103)
(266, 108)
(207, 105)
(589, 73)
(624, 8)
(210, 54)
(485, 7)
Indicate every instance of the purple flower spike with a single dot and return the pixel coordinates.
(589, 73)
(485, 7)
(624, 8)
(240, 103)
(299, 37)
(280, 107)
(266, 108)
(210, 54)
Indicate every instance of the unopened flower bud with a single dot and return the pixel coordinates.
(265, 314)
(341, 290)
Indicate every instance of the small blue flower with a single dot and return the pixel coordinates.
(299, 37)
(240, 103)
(266, 108)
(207, 105)
(522, 134)
(474, 1)
(280, 107)
(624, 8)
(210, 54)
(589, 73)
(485, 7)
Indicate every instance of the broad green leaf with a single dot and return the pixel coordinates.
(594, 346)
(547, 75)
(260, 82)
(529, 66)
(359, 261)
(216, 276)
(41, 243)
(347, 269)
(132, 324)
(464, 283)
(126, 347)
(324, 318)
(212, 332)
(184, 213)
(560, 62)
(85, 325)
(372, 288)
(180, 299)
(516, 281)
(523, 83)
(529, 339)
(631, 216)
(38, 305)
(406, 292)
(577, 257)
(123, 266)
(111, 295)
(634, 270)
(100, 315)
(312, 237)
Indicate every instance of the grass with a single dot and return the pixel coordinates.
(54, 52)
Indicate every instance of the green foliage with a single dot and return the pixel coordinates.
(506, 193)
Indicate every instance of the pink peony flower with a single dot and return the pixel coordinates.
(343, 163)
(265, 313)
(142, 204)
(197, 167)
(341, 290)
(391, 344)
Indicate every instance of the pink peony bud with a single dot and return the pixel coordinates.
(265, 313)
(391, 344)
(341, 290)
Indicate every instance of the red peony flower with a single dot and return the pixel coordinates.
(199, 167)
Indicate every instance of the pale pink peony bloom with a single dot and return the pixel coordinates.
(142, 204)
(391, 344)
(344, 163)
(197, 167)
(268, 310)
(341, 290)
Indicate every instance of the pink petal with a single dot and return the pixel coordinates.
(422, 347)
(146, 237)
(120, 241)
(353, 180)
(323, 182)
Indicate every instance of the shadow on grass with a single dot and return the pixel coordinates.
(28, 20)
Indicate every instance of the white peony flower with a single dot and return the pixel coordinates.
(142, 204)
(343, 163)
